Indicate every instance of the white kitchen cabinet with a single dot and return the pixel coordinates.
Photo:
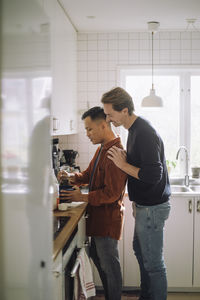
(58, 280)
(196, 282)
(131, 269)
(181, 245)
(182, 242)
(64, 68)
(178, 242)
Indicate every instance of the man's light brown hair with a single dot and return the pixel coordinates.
(119, 99)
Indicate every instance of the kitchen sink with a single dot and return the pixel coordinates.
(195, 188)
(180, 181)
(179, 189)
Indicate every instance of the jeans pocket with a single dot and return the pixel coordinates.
(161, 214)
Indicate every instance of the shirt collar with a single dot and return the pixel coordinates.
(111, 143)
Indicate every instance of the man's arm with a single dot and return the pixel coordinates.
(151, 167)
(118, 156)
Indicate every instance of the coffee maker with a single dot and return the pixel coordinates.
(68, 159)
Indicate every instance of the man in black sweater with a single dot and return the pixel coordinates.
(148, 188)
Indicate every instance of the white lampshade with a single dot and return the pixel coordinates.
(152, 100)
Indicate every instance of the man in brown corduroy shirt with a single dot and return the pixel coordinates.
(105, 201)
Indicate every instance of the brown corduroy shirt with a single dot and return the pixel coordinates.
(105, 199)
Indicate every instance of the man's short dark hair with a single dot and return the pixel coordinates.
(95, 113)
(119, 99)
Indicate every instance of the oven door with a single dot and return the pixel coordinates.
(69, 255)
(68, 280)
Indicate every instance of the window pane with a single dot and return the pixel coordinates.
(165, 119)
(195, 122)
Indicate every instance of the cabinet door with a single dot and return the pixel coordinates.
(197, 243)
(64, 106)
(57, 274)
(178, 246)
(131, 269)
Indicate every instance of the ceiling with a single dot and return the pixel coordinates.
(131, 15)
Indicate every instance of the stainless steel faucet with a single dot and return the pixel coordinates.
(186, 163)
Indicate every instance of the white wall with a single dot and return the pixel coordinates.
(99, 55)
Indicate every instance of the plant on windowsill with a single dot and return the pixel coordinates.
(171, 164)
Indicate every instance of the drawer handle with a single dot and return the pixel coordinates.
(56, 274)
(198, 206)
(190, 206)
(56, 124)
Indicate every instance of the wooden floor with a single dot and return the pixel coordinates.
(171, 296)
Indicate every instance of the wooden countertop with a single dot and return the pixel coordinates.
(75, 213)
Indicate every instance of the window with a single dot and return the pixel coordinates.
(195, 121)
(178, 121)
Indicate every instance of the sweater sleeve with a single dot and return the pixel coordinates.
(151, 168)
(113, 188)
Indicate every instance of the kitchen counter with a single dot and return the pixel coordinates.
(75, 213)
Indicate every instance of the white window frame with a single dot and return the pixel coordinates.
(185, 72)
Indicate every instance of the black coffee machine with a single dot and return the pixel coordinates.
(68, 158)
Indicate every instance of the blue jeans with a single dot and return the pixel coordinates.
(148, 248)
(105, 255)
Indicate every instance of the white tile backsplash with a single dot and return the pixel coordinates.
(100, 54)
(144, 44)
(164, 44)
(102, 36)
(176, 35)
(113, 44)
(103, 75)
(186, 56)
(196, 44)
(134, 44)
(92, 45)
(82, 37)
(134, 35)
(82, 55)
(196, 56)
(82, 45)
(175, 44)
(92, 76)
(123, 35)
(186, 44)
(92, 65)
(123, 44)
(92, 36)
(82, 76)
(92, 55)
(102, 45)
(113, 55)
(123, 55)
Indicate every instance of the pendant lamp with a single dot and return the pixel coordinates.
(152, 100)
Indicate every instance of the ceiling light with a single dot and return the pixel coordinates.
(152, 100)
(191, 25)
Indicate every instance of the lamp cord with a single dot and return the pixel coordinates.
(152, 62)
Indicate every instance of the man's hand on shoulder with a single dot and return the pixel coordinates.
(118, 156)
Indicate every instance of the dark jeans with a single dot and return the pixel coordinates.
(148, 248)
(105, 255)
